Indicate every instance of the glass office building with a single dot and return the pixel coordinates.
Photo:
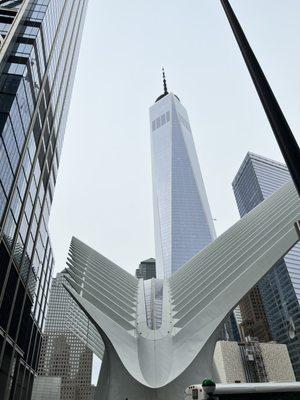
(257, 178)
(39, 44)
(182, 219)
(183, 223)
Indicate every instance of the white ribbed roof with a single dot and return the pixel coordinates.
(196, 298)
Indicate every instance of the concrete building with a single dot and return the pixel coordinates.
(146, 270)
(63, 354)
(46, 388)
(93, 392)
(38, 56)
(252, 361)
(272, 309)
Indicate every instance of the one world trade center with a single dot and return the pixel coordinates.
(182, 219)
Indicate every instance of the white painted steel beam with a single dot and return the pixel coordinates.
(196, 299)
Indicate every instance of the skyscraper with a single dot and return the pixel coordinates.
(279, 291)
(38, 56)
(46, 387)
(62, 353)
(254, 321)
(183, 224)
(182, 218)
(146, 270)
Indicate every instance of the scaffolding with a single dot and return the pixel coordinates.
(253, 356)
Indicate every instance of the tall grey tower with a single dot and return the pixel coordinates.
(182, 218)
(257, 179)
(39, 44)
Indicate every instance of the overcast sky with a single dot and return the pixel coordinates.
(103, 194)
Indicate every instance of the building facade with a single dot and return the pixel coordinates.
(39, 44)
(183, 223)
(254, 322)
(62, 353)
(278, 293)
(146, 270)
(46, 387)
(252, 361)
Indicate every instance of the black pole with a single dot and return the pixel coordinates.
(283, 134)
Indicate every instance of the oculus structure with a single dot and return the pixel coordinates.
(160, 338)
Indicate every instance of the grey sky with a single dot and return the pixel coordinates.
(104, 194)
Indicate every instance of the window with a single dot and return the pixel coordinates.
(160, 121)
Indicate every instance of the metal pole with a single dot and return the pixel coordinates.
(283, 134)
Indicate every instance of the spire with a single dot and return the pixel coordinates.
(165, 93)
(164, 81)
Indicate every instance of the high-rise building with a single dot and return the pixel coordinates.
(182, 219)
(46, 387)
(183, 223)
(62, 353)
(279, 291)
(39, 43)
(146, 270)
(254, 322)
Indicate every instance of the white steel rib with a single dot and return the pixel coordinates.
(196, 299)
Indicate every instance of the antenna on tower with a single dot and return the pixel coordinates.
(164, 81)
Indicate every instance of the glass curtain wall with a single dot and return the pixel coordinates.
(36, 79)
